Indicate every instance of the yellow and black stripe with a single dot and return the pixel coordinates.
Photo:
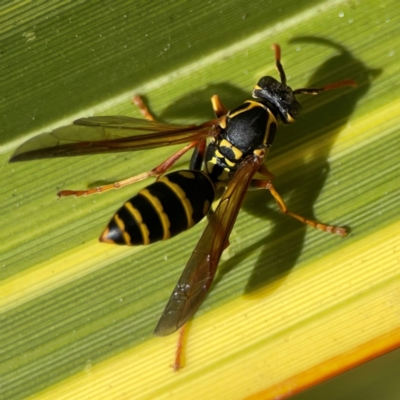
(172, 204)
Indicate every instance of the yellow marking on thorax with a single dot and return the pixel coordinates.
(225, 174)
(225, 143)
(210, 164)
(250, 104)
(229, 163)
(218, 154)
(237, 152)
(271, 120)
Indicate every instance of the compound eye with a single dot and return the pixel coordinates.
(294, 110)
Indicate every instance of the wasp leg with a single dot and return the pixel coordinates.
(263, 170)
(157, 171)
(259, 184)
(219, 109)
(179, 356)
(138, 101)
(196, 161)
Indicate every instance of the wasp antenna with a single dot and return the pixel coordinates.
(330, 86)
(339, 84)
(277, 50)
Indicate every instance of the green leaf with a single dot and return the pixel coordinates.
(291, 305)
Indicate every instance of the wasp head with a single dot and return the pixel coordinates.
(278, 95)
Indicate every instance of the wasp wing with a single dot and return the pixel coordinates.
(199, 272)
(96, 135)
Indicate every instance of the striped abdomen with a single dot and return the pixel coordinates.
(172, 204)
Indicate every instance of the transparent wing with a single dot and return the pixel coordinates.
(96, 135)
(199, 272)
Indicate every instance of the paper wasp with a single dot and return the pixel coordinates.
(229, 151)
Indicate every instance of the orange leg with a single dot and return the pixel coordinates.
(157, 171)
(259, 184)
(263, 170)
(219, 109)
(179, 356)
(138, 101)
